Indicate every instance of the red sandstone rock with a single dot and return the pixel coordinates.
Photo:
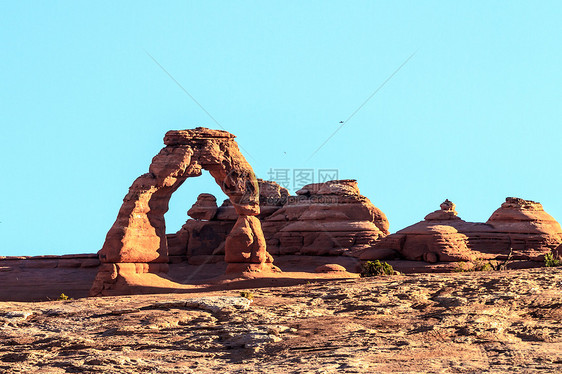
(329, 218)
(272, 197)
(446, 213)
(226, 212)
(205, 208)
(324, 219)
(520, 227)
(207, 237)
(524, 216)
(246, 243)
(138, 235)
(375, 253)
(330, 268)
(200, 238)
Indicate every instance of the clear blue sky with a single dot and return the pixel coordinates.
(473, 117)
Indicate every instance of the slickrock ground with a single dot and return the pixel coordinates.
(479, 322)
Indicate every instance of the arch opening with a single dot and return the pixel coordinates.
(138, 239)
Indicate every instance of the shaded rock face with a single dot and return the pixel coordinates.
(330, 218)
(138, 234)
(198, 237)
(522, 225)
(519, 227)
(271, 197)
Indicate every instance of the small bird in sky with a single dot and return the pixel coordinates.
(341, 121)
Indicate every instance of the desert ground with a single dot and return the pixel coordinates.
(473, 322)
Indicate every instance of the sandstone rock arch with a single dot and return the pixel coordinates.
(137, 240)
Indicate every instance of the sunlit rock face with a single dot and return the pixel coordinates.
(519, 230)
(138, 235)
(330, 218)
(522, 225)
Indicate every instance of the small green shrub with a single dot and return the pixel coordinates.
(481, 265)
(551, 261)
(63, 297)
(462, 267)
(247, 294)
(478, 265)
(373, 268)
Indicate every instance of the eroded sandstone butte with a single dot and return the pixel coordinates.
(330, 218)
(519, 230)
(136, 243)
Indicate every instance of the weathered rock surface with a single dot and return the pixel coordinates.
(272, 198)
(485, 322)
(40, 279)
(520, 229)
(138, 235)
(205, 208)
(522, 225)
(246, 234)
(330, 218)
(330, 268)
(30, 278)
(199, 238)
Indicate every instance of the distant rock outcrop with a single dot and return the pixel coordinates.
(205, 208)
(520, 229)
(522, 225)
(330, 218)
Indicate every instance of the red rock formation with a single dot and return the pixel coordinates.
(205, 208)
(330, 218)
(138, 235)
(432, 240)
(520, 227)
(330, 268)
(272, 198)
(248, 236)
(198, 238)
